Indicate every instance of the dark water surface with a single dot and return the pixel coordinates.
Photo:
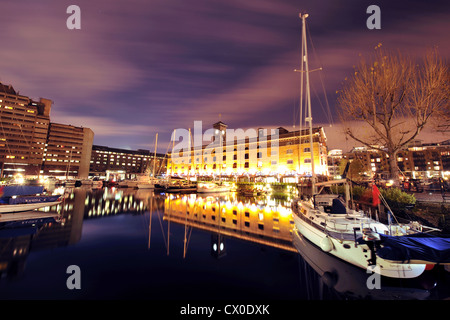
(136, 244)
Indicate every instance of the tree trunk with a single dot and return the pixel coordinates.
(393, 168)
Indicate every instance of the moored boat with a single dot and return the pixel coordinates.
(146, 185)
(328, 222)
(132, 183)
(180, 186)
(212, 187)
(338, 232)
(25, 198)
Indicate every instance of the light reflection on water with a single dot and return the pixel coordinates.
(161, 242)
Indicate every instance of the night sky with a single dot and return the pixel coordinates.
(141, 67)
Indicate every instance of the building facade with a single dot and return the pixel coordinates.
(114, 163)
(24, 125)
(67, 151)
(253, 152)
(33, 146)
(418, 161)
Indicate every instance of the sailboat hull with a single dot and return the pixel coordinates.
(352, 252)
(11, 208)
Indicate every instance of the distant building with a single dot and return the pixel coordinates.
(334, 160)
(263, 153)
(114, 163)
(418, 161)
(33, 146)
(68, 151)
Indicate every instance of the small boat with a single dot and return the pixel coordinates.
(97, 184)
(84, 182)
(146, 182)
(25, 198)
(9, 208)
(211, 187)
(131, 183)
(69, 183)
(146, 185)
(176, 185)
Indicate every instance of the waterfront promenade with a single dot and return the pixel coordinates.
(432, 197)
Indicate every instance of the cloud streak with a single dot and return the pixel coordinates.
(140, 67)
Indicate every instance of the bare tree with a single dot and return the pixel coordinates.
(390, 98)
(442, 121)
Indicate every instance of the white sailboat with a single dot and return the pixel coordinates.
(328, 223)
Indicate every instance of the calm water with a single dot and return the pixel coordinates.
(135, 244)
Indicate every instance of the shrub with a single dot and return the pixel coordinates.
(397, 198)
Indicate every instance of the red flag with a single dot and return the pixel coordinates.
(375, 196)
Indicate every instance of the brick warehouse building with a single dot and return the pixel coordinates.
(285, 153)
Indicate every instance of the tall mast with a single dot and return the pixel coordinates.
(300, 149)
(154, 157)
(308, 99)
(173, 146)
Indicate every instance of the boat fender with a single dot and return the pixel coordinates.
(326, 245)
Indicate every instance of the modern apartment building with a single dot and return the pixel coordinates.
(109, 163)
(33, 146)
(418, 161)
(67, 151)
(255, 152)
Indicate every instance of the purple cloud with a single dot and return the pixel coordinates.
(140, 67)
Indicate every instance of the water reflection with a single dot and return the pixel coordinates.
(325, 277)
(265, 222)
(60, 225)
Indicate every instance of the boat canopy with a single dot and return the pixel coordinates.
(420, 246)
